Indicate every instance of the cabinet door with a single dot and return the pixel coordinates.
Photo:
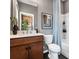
(37, 51)
(19, 52)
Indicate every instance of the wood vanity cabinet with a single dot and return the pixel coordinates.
(26, 47)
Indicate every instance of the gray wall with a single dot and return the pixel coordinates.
(29, 9)
(13, 11)
(45, 6)
(65, 7)
(11, 8)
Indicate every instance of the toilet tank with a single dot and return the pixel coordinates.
(48, 39)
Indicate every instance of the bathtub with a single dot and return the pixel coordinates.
(65, 48)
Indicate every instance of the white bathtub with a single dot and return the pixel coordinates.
(65, 48)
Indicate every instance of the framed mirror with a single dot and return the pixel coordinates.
(26, 21)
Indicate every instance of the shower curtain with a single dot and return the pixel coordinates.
(56, 23)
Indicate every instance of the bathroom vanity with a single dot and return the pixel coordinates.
(26, 46)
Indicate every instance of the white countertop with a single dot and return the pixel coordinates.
(25, 35)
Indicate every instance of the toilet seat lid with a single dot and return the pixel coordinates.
(54, 47)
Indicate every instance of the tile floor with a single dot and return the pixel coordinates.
(60, 56)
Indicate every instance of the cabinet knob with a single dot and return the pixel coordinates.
(28, 47)
(29, 52)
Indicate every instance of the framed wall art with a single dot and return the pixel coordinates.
(46, 21)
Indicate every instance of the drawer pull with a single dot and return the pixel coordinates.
(29, 52)
(28, 47)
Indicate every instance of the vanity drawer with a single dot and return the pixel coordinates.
(25, 40)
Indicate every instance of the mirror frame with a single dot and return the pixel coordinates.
(27, 14)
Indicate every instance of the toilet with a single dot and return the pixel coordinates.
(54, 49)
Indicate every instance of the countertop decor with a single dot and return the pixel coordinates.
(14, 25)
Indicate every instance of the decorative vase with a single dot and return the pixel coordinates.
(15, 28)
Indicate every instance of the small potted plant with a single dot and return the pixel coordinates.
(14, 25)
(25, 25)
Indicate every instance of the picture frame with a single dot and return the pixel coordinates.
(46, 21)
